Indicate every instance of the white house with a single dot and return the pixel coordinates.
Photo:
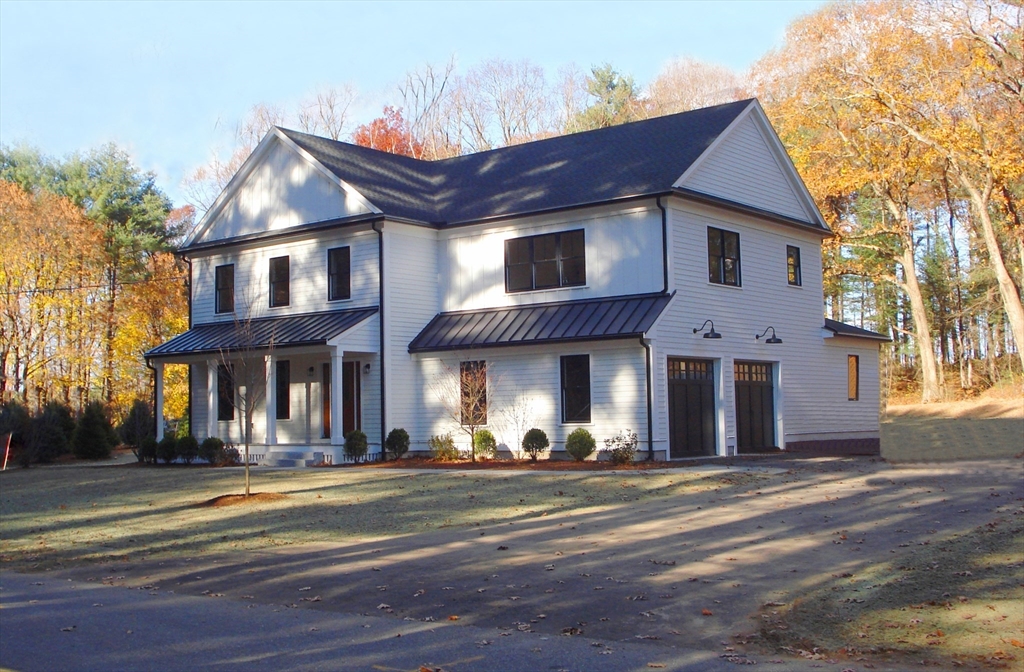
(663, 276)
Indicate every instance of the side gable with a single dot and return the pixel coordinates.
(747, 164)
(278, 187)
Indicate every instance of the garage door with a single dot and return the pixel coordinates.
(755, 407)
(691, 400)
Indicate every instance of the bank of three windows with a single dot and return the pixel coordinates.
(339, 280)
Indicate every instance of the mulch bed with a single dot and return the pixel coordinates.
(517, 465)
(233, 500)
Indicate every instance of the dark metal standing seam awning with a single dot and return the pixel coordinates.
(843, 329)
(284, 331)
(589, 320)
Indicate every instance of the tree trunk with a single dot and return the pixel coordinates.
(930, 388)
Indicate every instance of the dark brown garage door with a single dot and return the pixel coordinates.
(691, 400)
(755, 407)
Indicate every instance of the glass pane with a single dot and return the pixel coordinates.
(518, 251)
(284, 402)
(715, 269)
(546, 274)
(338, 274)
(576, 388)
(732, 244)
(574, 272)
(544, 247)
(520, 277)
(730, 276)
(714, 242)
(572, 244)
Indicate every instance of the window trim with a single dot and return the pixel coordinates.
(797, 280)
(348, 279)
(853, 377)
(558, 260)
(739, 254)
(287, 281)
(590, 389)
(218, 307)
(283, 401)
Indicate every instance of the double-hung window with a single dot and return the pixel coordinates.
(279, 282)
(793, 265)
(575, 388)
(544, 262)
(339, 273)
(225, 288)
(723, 257)
(473, 392)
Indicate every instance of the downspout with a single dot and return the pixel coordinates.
(380, 320)
(650, 400)
(155, 418)
(664, 246)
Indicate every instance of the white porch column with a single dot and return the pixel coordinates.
(211, 397)
(159, 410)
(271, 399)
(337, 422)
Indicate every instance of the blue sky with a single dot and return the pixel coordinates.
(168, 81)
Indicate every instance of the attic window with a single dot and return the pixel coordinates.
(545, 262)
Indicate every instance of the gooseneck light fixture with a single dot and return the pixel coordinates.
(771, 339)
(711, 333)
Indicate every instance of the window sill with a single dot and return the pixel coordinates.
(345, 300)
(722, 284)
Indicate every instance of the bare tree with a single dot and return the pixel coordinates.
(463, 394)
(326, 113)
(426, 97)
(517, 416)
(570, 92)
(688, 84)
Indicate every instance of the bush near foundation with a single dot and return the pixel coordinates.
(397, 442)
(188, 448)
(484, 444)
(356, 445)
(442, 448)
(621, 448)
(147, 450)
(92, 437)
(136, 426)
(534, 443)
(167, 449)
(212, 450)
(580, 444)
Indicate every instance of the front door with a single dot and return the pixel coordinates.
(691, 401)
(755, 407)
(349, 398)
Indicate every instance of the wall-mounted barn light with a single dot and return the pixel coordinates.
(771, 339)
(712, 333)
(366, 367)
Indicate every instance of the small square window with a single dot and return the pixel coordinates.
(339, 274)
(225, 288)
(279, 282)
(575, 388)
(723, 257)
(853, 377)
(793, 265)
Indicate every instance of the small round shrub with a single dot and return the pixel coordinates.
(355, 445)
(147, 449)
(580, 444)
(534, 443)
(46, 439)
(212, 450)
(397, 442)
(442, 448)
(484, 444)
(232, 456)
(621, 448)
(91, 439)
(167, 449)
(188, 448)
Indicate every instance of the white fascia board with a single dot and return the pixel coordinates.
(250, 164)
(372, 345)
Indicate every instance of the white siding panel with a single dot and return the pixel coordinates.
(742, 168)
(198, 424)
(282, 191)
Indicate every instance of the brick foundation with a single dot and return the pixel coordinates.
(836, 447)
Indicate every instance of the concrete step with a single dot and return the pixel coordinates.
(285, 462)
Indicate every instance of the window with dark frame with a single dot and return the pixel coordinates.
(546, 261)
(793, 265)
(279, 282)
(575, 388)
(473, 389)
(853, 377)
(339, 274)
(225, 393)
(225, 284)
(283, 389)
(723, 257)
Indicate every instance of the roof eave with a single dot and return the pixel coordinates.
(742, 208)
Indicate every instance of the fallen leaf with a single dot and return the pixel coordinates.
(655, 665)
(453, 618)
(706, 612)
(68, 629)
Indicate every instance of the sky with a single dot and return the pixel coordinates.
(169, 81)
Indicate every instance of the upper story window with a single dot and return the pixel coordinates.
(793, 265)
(542, 262)
(225, 283)
(339, 273)
(279, 282)
(853, 377)
(575, 388)
(723, 257)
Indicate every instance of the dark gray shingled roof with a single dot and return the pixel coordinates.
(843, 329)
(635, 159)
(285, 331)
(588, 320)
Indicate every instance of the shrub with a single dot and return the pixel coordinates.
(232, 456)
(442, 448)
(92, 435)
(534, 443)
(136, 426)
(49, 436)
(580, 444)
(188, 448)
(147, 450)
(397, 442)
(167, 449)
(621, 448)
(212, 450)
(484, 444)
(14, 420)
(183, 429)
(355, 445)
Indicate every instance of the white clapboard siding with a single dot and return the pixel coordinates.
(307, 271)
(622, 252)
(198, 423)
(811, 393)
(283, 190)
(743, 168)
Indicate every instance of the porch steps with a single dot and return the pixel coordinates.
(293, 458)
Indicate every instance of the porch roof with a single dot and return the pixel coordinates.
(280, 332)
(588, 320)
(843, 329)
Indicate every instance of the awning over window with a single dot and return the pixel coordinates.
(284, 331)
(590, 320)
(843, 329)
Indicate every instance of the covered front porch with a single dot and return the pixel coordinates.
(297, 387)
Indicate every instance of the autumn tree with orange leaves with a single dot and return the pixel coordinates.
(389, 133)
